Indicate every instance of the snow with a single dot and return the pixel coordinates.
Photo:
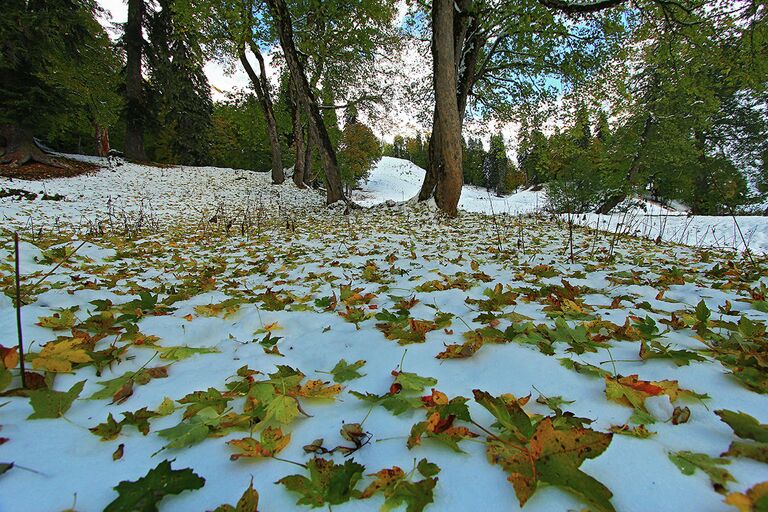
(399, 180)
(156, 228)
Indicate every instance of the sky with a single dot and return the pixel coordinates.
(396, 117)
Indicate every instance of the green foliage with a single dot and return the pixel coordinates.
(473, 156)
(145, 493)
(58, 69)
(328, 483)
(180, 95)
(49, 404)
(359, 150)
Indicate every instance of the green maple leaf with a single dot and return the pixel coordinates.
(584, 368)
(328, 483)
(112, 386)
(688, 462)
(53, 404)
(63, 320)
(199, 400)
(744, 425)
(553, 456)
(184, 352)
(108, 430)
(416, 495)
(343, 371)
(139, 419)
(286, 377)
(755, 451)
(191, 431)
(283, 409)
(509, 414)
(396, 404)
(413, 382)
(143, 494)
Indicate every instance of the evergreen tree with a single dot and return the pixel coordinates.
(474, 156)
(41, 42)
(181, 94)
(496, 165)
(398, 147)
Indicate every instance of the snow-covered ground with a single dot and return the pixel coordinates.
(212, 270)
(399, 180)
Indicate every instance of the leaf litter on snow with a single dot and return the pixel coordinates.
(283, 352)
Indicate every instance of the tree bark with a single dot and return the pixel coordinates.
(430, 178)
(102, 140)
(634, 169)
(298, 139)
(447, 147)
(467, 43)
(134, 86)
(18, 147)
(261, 86)
(317, 127)
(309, 176)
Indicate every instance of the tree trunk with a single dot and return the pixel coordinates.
(317, 128)
(134, 86)
(18, 147)
(261, 86)
(309, 176)
(447, 147)
(464, 34)
(634, 168)
(102, 140)
(430, 178)
(298, 139)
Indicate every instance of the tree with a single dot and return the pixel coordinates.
(496, 165)
(359, 150)
(135, 103)
(474, 156)
(178, 88)
(307, 99)
(41, 45)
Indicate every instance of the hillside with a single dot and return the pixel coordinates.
(399, 180)
(240, 329)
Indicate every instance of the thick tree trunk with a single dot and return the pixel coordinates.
(309, 149)
(466, 50)
(317, 128)
(298, 139)
(134, 87)
(261, 86)
(447, 147)
(102, 140)
(18, 147)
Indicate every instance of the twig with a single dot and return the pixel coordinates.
(18, 312)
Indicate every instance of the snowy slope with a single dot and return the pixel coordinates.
(399, 180)
(194, 238)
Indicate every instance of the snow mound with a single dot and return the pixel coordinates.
(395, 179)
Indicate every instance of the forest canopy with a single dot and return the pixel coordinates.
(600, 100)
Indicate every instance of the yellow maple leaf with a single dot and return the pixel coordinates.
(318, 389)
(748, 502)
(59, 356)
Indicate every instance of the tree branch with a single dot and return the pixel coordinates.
(581, 6)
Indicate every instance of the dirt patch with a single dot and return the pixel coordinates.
(37, 171)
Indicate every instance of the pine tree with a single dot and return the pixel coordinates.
(181, 93)
(38, 40)
(496, 165)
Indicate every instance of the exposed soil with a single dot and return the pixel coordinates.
(38, 171)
